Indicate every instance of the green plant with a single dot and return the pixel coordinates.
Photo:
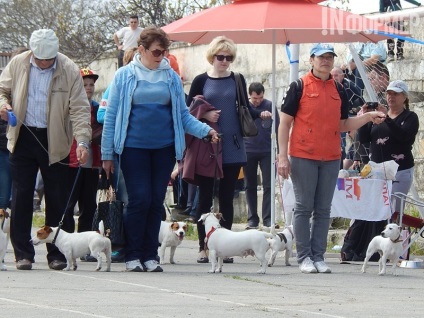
(38, 220)
(191, 233)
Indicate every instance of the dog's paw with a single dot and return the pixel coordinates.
(98, 268)
(161, 262)
(172, 262)
(3, 269)
(288, 264)
(270, 265)
(381, 273)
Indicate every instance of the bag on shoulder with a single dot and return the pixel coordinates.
(247, 124)
(110, 211)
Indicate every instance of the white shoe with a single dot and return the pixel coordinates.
(322, 267)
(152, 266)
(307, 266)
(134, 266)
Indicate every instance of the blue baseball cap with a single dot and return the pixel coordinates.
(319, 49)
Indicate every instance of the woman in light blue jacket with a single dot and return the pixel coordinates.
(145, 123)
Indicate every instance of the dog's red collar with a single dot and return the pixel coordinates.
(210, 232)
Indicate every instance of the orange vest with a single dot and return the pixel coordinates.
(316, 127)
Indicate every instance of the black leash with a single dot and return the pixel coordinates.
(67, 205)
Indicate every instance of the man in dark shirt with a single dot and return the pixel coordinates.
(258, 151)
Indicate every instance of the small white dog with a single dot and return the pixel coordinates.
(225, 243)
(388, 245)
(282, 241)
(170, 234)
(74, 245)
(4, 236)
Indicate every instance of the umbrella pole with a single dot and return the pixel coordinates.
(294, 62)
(273, 134)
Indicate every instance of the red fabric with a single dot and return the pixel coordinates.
(316, 128)
(97, 163)
(202, 158)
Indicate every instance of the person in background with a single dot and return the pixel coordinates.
(5, 174)
(127, 38)
(118, 253)
(370, 53)
(84, 180)
(145, 123)
(48, 122)
(354, 96)
(379, 77)
(315, 156)
(218, 87)
(258, 151)
(395, 5)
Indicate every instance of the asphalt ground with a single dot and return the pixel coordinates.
(186, 289)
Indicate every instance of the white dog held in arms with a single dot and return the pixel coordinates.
(170, 234)
(388, 245)
(225, 243)
(4, 236)
(74, 245)
(282, 241)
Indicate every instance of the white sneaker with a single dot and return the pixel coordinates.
(322, 267)
(134, 266)
(307, 266)
(152, 266)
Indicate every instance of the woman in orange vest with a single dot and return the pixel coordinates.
(316, 111)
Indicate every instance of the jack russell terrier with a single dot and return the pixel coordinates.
(170, 234)
(4, 236)
(225, 243)
(74, 245)
(388, 245)
(282, 241)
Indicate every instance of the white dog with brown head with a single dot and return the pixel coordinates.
(223, 243)
(170, 234)
(388, 245)
(74, 245)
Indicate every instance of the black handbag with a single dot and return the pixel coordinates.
(110, 211)
(247, 124)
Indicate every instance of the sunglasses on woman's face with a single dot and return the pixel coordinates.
(157, 53)
(220, 58)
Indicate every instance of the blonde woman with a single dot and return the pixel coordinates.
(218, 87)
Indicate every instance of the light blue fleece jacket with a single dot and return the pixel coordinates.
(119, 108)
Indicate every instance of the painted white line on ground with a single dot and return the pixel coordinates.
(170, 291)
(51, 308)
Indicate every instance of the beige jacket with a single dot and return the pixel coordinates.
(68, 112)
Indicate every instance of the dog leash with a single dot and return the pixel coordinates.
(67, 205)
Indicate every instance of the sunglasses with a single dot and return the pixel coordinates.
(157, 53)
(44, 60)
(220, 58)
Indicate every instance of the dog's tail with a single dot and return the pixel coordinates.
(101, 228)
(268, 235)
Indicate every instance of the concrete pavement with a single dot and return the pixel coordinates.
(188, 290)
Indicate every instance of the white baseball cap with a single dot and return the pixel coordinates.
(44, 44)
(398, 86)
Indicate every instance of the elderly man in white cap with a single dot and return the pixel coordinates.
(46, 93)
